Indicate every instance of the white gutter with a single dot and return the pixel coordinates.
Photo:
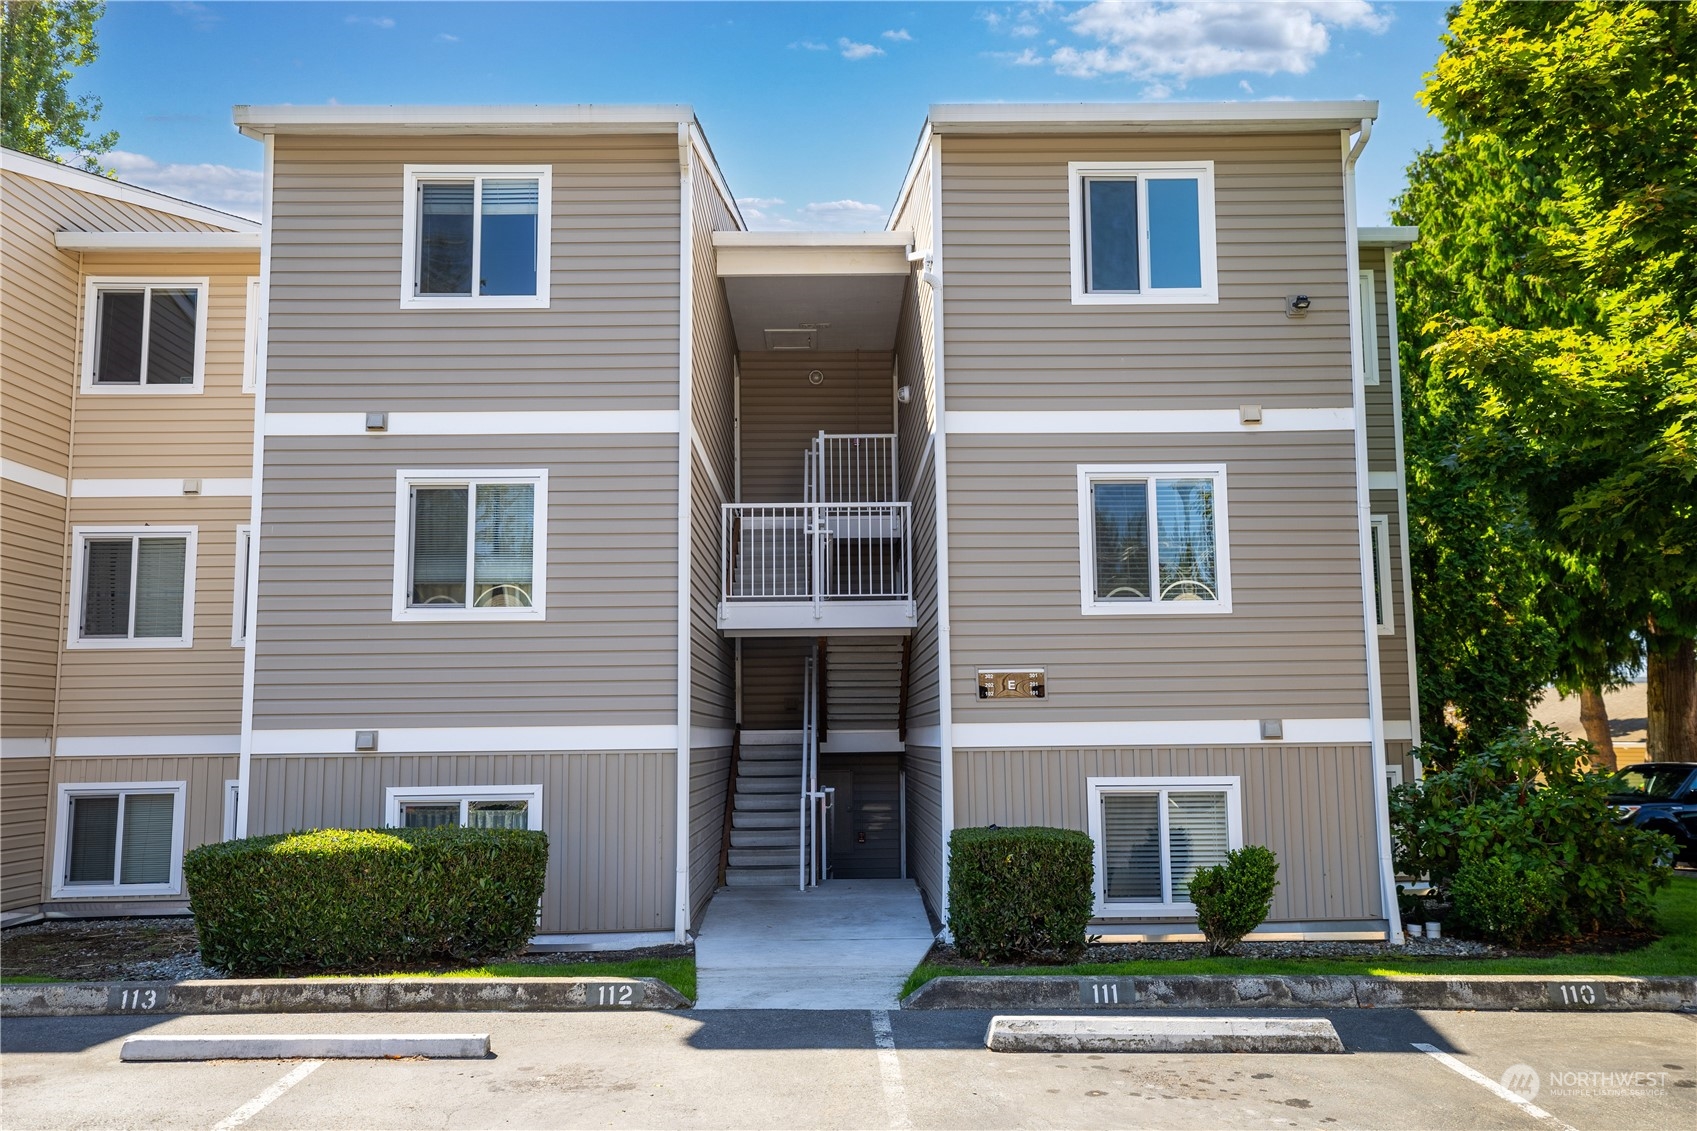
(1402, 503)
(250, 639)
(255, 121)
(157, 241)
(1120, 117)
(686, 475)
(1364, 532)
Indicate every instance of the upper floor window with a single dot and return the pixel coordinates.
(1143, 232)
(470, 545)
(1154, 539)
(132, 587)
(476, 236)
(1381, 547)
(1369, 310)
(144, 335)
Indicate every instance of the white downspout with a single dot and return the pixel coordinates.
(1364, 523)
(940, 541)
(686, 476)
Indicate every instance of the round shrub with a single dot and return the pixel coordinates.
(1022, 894)
(1499, 902)
(1233, 897)
(365, 899)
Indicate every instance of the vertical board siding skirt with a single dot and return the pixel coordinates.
(1364, 524)
(1402, 504)
(250, 638)
(686, 473)
(940, 538)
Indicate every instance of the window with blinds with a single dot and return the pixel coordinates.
(134, 588)
(471, 807)
(120, 839)
(1155, 540)
(473, 545)
(1152, 836)
(145, 335)
(478, 236)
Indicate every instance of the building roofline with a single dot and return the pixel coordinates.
(157, 241)
(856, 240)
(257, 121)
(1148, 117)
(80, 180)
(1395, 238)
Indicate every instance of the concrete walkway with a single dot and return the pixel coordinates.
(846, 944)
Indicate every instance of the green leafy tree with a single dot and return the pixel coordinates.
(42, 43)
(1551, 458)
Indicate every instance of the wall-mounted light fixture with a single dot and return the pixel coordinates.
(904, 395)
(1296, 306)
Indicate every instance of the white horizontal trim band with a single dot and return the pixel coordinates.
(1384, 481)
(147, 745)
(25, 747)
(157, 241)
(157, 488)
(460, 740)
(1145, 421)
(1399, 731)
(622, 421)
(32, 477)
(1205, 732)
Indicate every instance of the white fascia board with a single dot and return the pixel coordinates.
(79, 180)
(1194, 117)
(855, 240)
(158, 241)
(1397, 238)
(256, 121)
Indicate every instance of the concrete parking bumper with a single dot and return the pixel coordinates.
(1162, 1034)
(344, 1046)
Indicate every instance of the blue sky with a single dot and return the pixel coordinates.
(812, 108)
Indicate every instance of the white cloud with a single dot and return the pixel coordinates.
(769, 214)
(202, 17)
(808, 45)
(1243, 85)
(1167, 43)
(374, 21)
(853, 50)
(444, 37)
(224, 187)
(899, 35)
(760, 201)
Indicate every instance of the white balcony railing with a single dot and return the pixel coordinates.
(816, 553)
(851, 469)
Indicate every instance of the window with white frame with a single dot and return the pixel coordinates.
(465, 806)
(1152, 834)
(250, 350)
(232, 806)
(1369, 308)
(1153, 539)
(1381, 549)
(1143, 232)
(241, 611)
(132, 587)
(144, 335)
(476, 236)
(119, 838)
(470, 545)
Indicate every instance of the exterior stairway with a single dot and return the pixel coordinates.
(765, 824)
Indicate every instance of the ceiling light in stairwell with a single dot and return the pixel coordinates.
(802, 338)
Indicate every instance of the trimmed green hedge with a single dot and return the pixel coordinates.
(1023, 894)
(1232, 898)
(347, 900)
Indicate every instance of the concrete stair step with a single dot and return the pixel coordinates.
(761, 877)
(790, 786)
(779, 802)
(766, 838)
(764, 857)
(789, 752)
(764, 819)
(787, 768)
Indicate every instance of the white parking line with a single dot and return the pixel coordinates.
(1491, 1086)
(890, 1069)
(260, 1102)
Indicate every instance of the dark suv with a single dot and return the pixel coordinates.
(1662, 797)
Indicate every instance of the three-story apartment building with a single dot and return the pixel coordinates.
(764, 558)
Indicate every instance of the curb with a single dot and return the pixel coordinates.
(1162, 1034)
(435, 1046)
(339, 995)
(1527, 992)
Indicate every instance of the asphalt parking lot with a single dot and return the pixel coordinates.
(783, 1069)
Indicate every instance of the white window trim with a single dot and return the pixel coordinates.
(413, 174)
(1393, 774)
(1203, 171)
(395, 796)
(232, 799)
(1369, 330)
(250, 338)
(1092, 473)
(1232, 787)
(80, 536)
(405, 480)
(1387, 606)
(240, 615)
(94, 284)
(61, 889)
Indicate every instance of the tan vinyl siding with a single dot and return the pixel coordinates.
(1393, 647)
(1381, 398)
(1312, 805)
(1401, 753)
(771, 682)
(781, 413)
(171, 435)
(864, 675)
(23, 831)
(610, 819)
(924, 766)
(197, 690)
(1292, 647)
(709, 779)
(203, 801)
(330, 654)
(32, 537)
(712, 659)
(922, 686)
(609, 339)
(1015, 341)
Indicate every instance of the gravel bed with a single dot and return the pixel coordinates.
(1415, 948)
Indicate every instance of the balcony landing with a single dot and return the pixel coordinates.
(834, 618)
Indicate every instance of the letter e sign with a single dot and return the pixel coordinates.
(1011, 684)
